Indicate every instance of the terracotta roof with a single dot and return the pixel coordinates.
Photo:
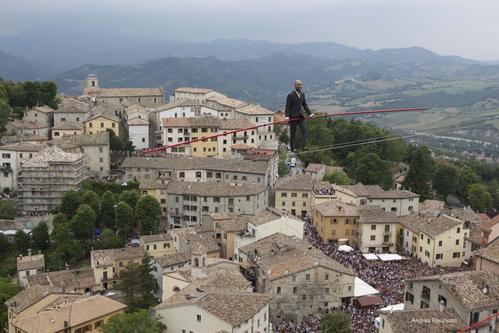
(81, 140)
(155, 238)
(232, 124)
(468, 287)
(71, 105)
(108, 257)
(29, 296)
(196, 163)
(51, 155)
(130, 92)
(252, 109)
(280, 255)
(179, 103)
(173, 259)
(337, 208)
(436, 225)
(413, 221)
(176, 122)
(213, 189)
(43, 109)
(193, 90)
(268, 215)
(431, 206)
(22, 147)
(234, 225)
(376, 192)
(137, 122)
(369, 300)
(103, 115)
(227, 101)
(201, 243)
(147, 184)
(68, 125)
(234, 307)
(424, 321)
(69, 279)
(376, 214)
(30, 262)
(76, 313)
(491, 252)
(26, 124)
(240, 146)
(299, 182)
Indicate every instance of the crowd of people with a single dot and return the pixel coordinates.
(311, 324)
(324, 189)
(386, 276)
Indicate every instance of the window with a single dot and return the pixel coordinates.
(457, 241)
(293, 278)
(409, 297)
(98, 324)
(439, 256)
(373, 237)
(284, 194)
(294, 195)
(199, 318)
(181, 174)
(307, 277)
(326, 291)
(278, 290)
(442, 300)
(5, 155)
(456, 255)
(458, 230)
(304, 195)
(102, 125)
(113, 125)
(295, 290)
(440, 243)
(373, 226)
(326, 277)
(425, 293)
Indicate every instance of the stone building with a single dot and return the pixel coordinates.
(72, 110)
(473, 295)
(68, 127)
(157, 245)
(197, 169)
(427, 320)
(46, 176)
(189, 201)
(26, 130)
(42, 115)
(115, 96)
(28, 266)
(293, 194)
(378, 230)
(300, 278)
(487, 259)
(95, 147)
(79, 280)
(335, 220)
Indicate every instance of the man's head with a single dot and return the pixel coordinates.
(298, 85)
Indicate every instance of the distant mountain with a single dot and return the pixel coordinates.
(20, 69)
(267, 79)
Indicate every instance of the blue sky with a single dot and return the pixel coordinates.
(462, 27)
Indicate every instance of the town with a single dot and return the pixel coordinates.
(235, 233)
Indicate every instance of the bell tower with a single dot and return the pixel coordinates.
(92, 86)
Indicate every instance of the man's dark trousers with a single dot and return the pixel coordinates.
(303, 133)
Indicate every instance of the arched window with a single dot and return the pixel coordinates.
(204, 261)
(176, 289)
(196, 262)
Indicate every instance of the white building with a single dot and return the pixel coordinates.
(195, 94)
(266, 223)
(401, 202)
(138, 132)
(11, 157)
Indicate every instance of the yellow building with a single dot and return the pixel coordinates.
(157, 245)
(102, 122)
(335, 220)
(107, 264)
(201, 128)
(442, 241)
(229, 231)
(80, 315)
(33, 311)
(157, 189)
(294, 194)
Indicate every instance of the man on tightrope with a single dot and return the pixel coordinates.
(295, 104)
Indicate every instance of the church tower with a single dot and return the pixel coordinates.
(92, 86)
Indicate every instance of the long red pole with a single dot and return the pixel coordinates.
(338, 114)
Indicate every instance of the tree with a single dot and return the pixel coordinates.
(4, 245)
(59, 218)
(90, 198)
(372, 170)
(7, 291)
(108, 210)
(479, 197)
(445, 180)
(336, 322)
(70, 203)
(419, 176)
(83, 222)
(125, 220)
(140, 321)
(130, 197)
(466, 177)
(40, 237)
(282, 168)
(338, 177)
(114, 141)
(22, 242)
(65, 246)
(147, 212)
(7, 209)
(137, 283)
(109, 240)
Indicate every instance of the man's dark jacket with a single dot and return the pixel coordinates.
(294, 105)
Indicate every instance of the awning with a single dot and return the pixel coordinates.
(345, 248)
(390, 256)
(362, 288)
(369, 300)
(393, 307)
(370, 256)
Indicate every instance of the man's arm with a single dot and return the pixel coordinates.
(305, 105)
(287, 110)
